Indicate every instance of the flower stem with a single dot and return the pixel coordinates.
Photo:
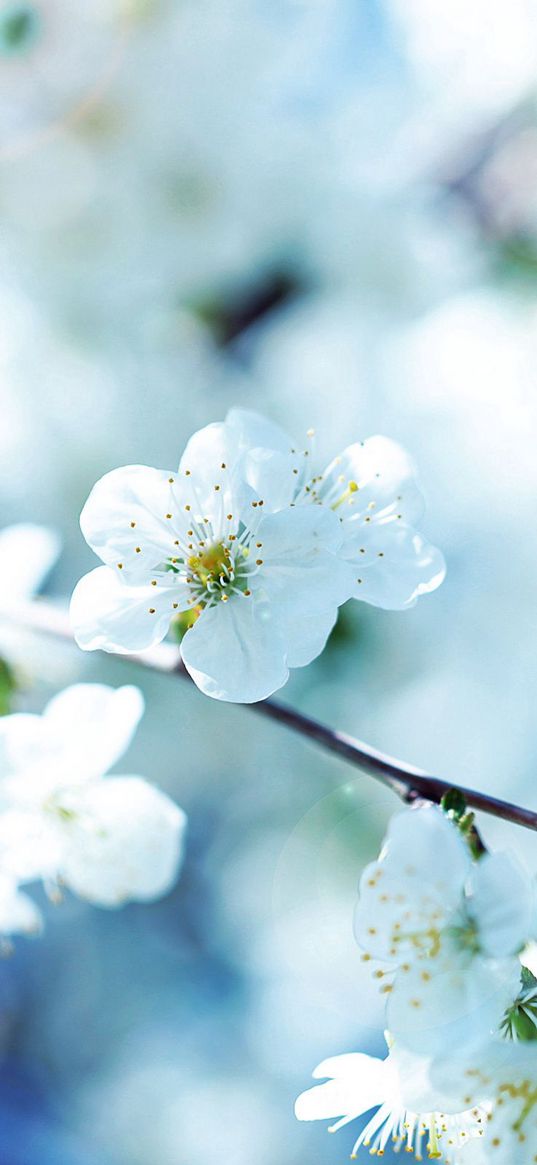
(407, 781)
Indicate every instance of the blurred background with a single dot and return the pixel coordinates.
(325, 210)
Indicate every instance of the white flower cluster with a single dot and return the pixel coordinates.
(108, 839)
(254, 547)
(443, 926)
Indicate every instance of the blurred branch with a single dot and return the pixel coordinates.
(405, 780)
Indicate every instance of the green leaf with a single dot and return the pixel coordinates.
(454, 804)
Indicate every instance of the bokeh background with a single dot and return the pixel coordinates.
(325, 210)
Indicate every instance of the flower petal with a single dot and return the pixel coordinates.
(306, 637)
(457, 1002)
(270, 477)
(110, 616)
(27, 553)
(124, 842)
(93, 725)
(18, 914)
(358, 1083)
(235, 651)
(126, 510)
(385, 476)
(253, 431)
(502, 898)
(393, 565)
(301, 572)
(413, 888)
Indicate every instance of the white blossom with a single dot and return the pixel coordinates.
(260, 578)
(27, 553)
(372, 488)
(446, 929)
(408, 1116)
(109, 840)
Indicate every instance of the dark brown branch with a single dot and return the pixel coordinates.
(405, 780)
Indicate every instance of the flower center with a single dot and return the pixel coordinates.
(213, 566)
(218, 571)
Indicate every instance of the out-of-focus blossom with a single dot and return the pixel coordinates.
(109, 840)
(27, 553)
(262, 579)
(408, 1115)
(450, 930)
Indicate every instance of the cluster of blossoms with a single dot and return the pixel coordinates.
(253, 549)
(444, 926)
(64, 822)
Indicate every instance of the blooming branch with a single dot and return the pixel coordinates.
(407, 781)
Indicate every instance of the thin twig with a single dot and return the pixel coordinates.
(405, 780)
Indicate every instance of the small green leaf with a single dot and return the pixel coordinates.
(454, 804)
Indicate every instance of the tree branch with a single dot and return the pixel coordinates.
(405, 780)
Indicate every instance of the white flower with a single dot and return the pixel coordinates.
(503, 1075)
(18, 914)
(447, 930)
(107, 840)
(27, 553)
(407, 1117)
(263, 586)
(372, 488)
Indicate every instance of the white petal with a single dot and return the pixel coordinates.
(253, 431)
(110, 616)
(414, 887)
(127, 509)
(385, 475)
(235, 651)
(306, 636)
(27, 553)
(210, 459)
(18, 914)
(502, 901)
(29, 847)
(393, 565)
(24, 743)
(125, 842)
(431, 848)
(93, 725)
(358, 1083)
(462, 1000)
(270, 477)
(301, 571)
